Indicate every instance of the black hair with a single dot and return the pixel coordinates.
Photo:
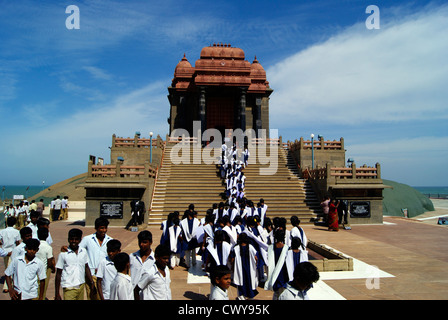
(279, 235)
(113, 245)
(75, 233)
(296, 243)
(218, 272)
(25, 231)
(34, 214)
(306, 273)
(11, 221)
(219, 236)
(42, 222)
(120, 261)
(101, 222)
(42, 233)
(295, 221)
(144, 235)
(162, 251)
(32, 244)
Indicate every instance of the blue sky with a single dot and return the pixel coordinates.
(63, 93)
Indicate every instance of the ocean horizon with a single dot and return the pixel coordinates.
(11, 190)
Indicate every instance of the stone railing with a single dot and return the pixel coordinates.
(319, 144)
(334, 173)
(120, 171)
(137, 142)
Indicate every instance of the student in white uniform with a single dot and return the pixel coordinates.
(220, 277)
(121, 287)
(189, 226)
(72, 270)
(26, 274)
(280, 264)
(175, 242)
(9, 239)
(142, 258)
(155, 282)
(305, 274)
(106, 270)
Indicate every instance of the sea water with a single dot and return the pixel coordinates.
(9, 191)
(434, 192)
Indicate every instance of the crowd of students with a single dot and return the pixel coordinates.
(237, 243)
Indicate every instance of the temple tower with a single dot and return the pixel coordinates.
(222, 91)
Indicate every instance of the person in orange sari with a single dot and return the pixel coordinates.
(333, 216)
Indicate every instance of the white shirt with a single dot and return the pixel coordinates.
(26, 276)
(290, 293)
(18, 251)
(218, 294)
(33, 228)
(9, 237)
(57, 204)
(121, 288)
(154, 285)
(64, 203)
(95, 251)
(137, 265)
(73, 267)
(45, 252)
(107, 272)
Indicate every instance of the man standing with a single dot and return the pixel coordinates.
(57, 208)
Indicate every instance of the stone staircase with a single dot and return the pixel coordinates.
(179, 185)
(284, 192)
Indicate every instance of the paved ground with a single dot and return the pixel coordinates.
(402, 259)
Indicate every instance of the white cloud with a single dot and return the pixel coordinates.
(63, 146)
(397, 73)
(415, 161)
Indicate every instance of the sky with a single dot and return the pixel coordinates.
(65, 91)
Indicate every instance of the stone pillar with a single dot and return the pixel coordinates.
(202, 110)
(242, 109)
(258, 121)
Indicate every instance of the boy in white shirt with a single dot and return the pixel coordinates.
(305, 274)
(121, 287)
(9, 239)
(45, 254)
(26, 274)
(107, 272)
(220, 278)
(72, 269)
(155, 282)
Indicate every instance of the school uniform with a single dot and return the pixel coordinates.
(218, 294)
(245, 275)
(231, 233)
(137, 265)
(73, 266)
(121, 287)
(219, 253)
(260, 244)
(45, 252)
(9, 238)
(107, 272)
(298, 232)
(291, 293)
(26, 276)
(175, 244)
(154, 285)
(33, 228)
(190, 243)
(280, 268)
(95, 251)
